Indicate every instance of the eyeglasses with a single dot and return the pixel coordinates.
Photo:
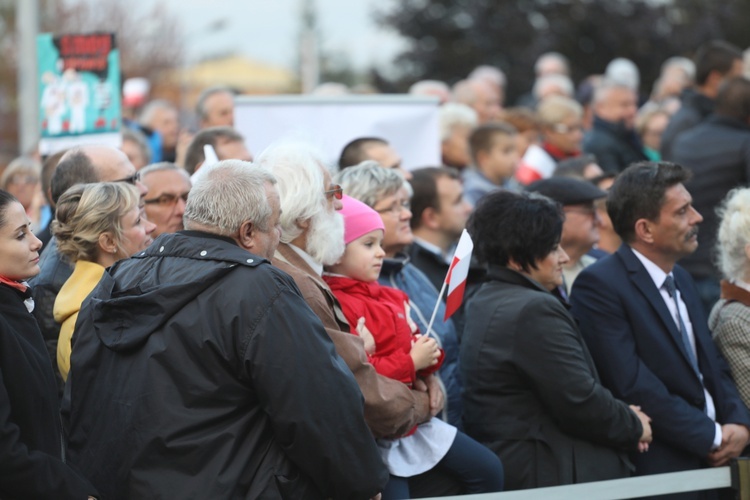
(562, 128)
(136, 177)
(589, 211)
(23, 179)
(337, 192)
(167, 199)
(396, 208)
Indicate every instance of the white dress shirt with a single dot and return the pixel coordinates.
(658, 276)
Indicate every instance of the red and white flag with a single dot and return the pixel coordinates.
(457, 274)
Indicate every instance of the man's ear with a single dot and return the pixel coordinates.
(246, 235)
(643, 231)
(303, 224)
(430, 218)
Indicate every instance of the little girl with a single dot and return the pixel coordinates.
(399, 352)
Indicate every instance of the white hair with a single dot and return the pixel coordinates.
(623, 71)
(148, 112)
(734, 234)
(683, 63)
(551, 57)
(369, 182)
(430, 87)
(298, 167)
(229, 193)
(543, 83)
(325, 239)
(453, 115)
(489, 73)
(602, 90)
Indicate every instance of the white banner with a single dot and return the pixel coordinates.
(408, 123)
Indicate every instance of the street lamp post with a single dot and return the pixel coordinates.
(27, 27)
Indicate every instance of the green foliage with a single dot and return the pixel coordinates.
(448, 38)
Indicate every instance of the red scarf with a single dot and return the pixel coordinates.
(22, 287)
(557, 153)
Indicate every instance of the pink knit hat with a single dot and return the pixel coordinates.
(359, 219)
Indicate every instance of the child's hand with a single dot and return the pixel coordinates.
(366, 336)
(424, 352)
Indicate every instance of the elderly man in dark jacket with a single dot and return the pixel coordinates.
(198, 370)
(718, 153)
(612, 137)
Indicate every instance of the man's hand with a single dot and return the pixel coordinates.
(646, 436)
(734, 438)
(432, 386)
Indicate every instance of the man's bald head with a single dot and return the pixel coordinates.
(86, 164)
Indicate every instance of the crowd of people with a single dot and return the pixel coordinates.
(183, 318)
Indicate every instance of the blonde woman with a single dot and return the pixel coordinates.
(96, 225)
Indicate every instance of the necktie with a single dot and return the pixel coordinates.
(672, 291)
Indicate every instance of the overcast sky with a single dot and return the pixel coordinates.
(268, 30)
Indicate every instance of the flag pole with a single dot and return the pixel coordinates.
(437, 306)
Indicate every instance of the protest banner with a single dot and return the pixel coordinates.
(79, 90)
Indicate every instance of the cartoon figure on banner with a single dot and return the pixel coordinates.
(77, 93)
(53, 103)
(102, 101)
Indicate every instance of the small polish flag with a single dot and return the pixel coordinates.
(457, 274)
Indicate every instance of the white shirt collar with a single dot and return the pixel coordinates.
(741, 284)
(657, 274)
(316, 266)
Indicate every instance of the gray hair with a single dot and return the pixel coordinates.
(24, 165)
(137, 137)
(543, 83)
(490, 73)
(200, 106)
(369, 182)
(623, 71)
(298, 168)
(148, 112)
(162, 166)
(426, 87)
(552, 57)
(734, 234)
(452, 115)
(601, 92)
(228, 194)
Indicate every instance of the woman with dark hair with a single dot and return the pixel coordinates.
(32, 459)
(531, 390)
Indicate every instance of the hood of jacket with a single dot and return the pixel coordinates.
(137, 296)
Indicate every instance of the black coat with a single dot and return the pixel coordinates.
(695, 108)
(198, 371)
(32, 459)
(615, 146)
(532, 393)
(718, 153)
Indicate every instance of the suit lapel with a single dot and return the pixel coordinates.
(643, 282)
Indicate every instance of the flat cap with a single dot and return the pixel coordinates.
(567, 190)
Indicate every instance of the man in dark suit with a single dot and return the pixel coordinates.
(648, 337)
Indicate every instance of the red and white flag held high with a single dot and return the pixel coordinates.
(457, 274)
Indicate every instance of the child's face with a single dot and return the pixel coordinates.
(501, 161)
(363, 258)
